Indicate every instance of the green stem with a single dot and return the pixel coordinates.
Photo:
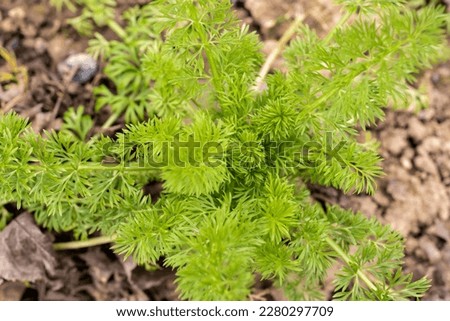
(340, 23)
(348, 261)
(132, 167)
(114, 26)
(366, 67)
(114, 167)
(289, 33)
(212, 64)
(110, 121)
(343, 20)
(82, 244)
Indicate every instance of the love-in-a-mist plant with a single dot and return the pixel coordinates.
(234, 149)
(91, 14)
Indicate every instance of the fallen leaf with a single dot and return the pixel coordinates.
(12, 291)
(26, 254)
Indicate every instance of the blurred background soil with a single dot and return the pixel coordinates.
(413, 196)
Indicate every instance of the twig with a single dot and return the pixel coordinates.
(82, 244)
(348, 261)
(114, 26)
(342, 21)
(289, 33)
(10, 104)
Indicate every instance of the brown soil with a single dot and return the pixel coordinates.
(413, 196)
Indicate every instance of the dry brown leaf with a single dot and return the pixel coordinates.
(25, 252)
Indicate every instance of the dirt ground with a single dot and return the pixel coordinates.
(413, 196)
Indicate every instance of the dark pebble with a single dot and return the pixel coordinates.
(87, 67)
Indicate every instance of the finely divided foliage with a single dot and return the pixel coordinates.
(233, 162)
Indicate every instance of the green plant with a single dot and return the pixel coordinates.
(132, 91)
(98, 13)
(77, 123)
(234, 161)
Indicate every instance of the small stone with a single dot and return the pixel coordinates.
(8, 26)
(416, 130)
(398, 215)
(432, 252)
(443, 165)
(427, 114)
(398, 189)
(28, 43)
(406, 162)
(28, 30)
(430, 144)
(17, 13)
(395, 141)
(40, 45)
(73, 88)
(443, 130)
(401, 119)
(441, 230)
(367, 205)
(411, 245)
(86, 67)
(436, 202)
(39, 16)
(446, 147)
(381, 199)
(57, 47)
(426, 164)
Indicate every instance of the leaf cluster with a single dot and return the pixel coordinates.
(91, 13)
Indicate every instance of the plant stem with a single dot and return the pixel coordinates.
(82, 244)
(115, 167)
(283, 42)
(348, 260)
(340, 23)
(206, 42)
(108, 123)
(289, 33)
(114, 26)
